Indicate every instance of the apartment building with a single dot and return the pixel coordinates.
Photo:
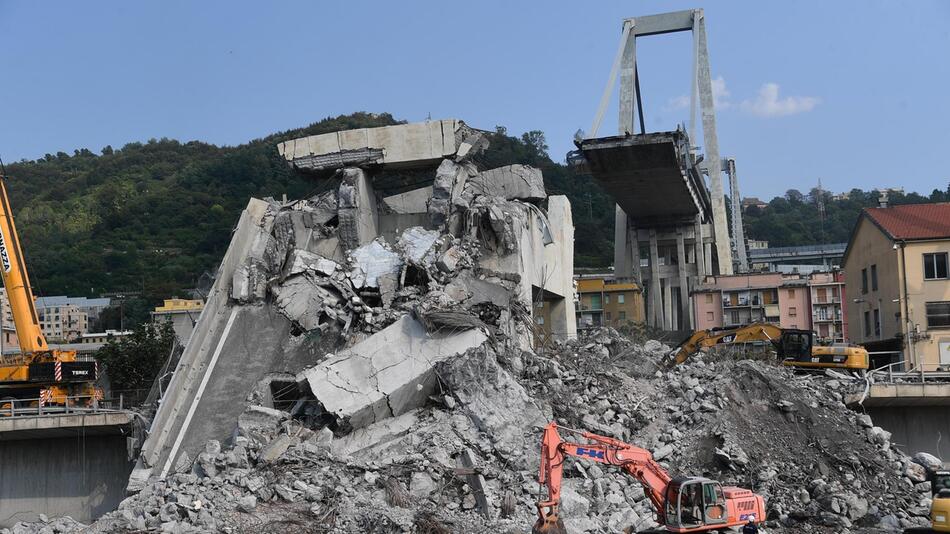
(62, 322)
(92, 307)
(797, 301)
(604, 301)
(828, 313)
(897, 262)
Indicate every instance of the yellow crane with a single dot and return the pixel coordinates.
(796, 348)
(38, 374)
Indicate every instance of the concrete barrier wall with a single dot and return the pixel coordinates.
(916, 428)
(82, 477)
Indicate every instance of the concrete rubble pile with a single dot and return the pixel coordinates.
(422, 409)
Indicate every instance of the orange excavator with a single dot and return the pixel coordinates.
(682, 504)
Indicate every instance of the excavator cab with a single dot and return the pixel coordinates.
(796, 345)
(694, 503)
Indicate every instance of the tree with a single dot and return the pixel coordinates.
(133, 362)
(535, 139)
(794, 195)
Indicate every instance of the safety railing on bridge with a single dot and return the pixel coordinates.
(894, 372)
(76, 404)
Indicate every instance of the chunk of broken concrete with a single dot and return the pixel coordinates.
(495, 402)
(511, 182)
(371, 261)
(276, 448)
(260, 418)
(386, 374)
(302, 300)
(416, 242)
(301, 261)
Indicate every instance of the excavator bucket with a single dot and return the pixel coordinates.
(549, 524)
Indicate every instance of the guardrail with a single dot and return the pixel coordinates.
(74, 404)
(893, 372)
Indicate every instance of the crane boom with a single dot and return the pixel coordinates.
(17, 282)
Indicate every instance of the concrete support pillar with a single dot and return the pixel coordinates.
(711, 147)
(684, 279)
(620, 243)
(563, 315)
(701, 271)
(668, 304)
(628, 88)
(633, 246)
(656, 299)
(707, 257)
(359, 217)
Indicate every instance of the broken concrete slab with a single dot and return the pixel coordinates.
(511, 182)
(359, 216)
(261, 418)
(414, 201)
(374, 435)
(478, 291)
(398, 146)
(372, 261)
(304, 301)
(301, 261)
(386, 374)
(417, 242)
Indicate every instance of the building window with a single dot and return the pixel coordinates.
(734, 316)
(620, 298)
(793, 312)
(595, 302)
(623, 316)
(938, 315)
(710, 316)
(864, 281)
(608, 316)
(867, 323)
(791, 293)
(877, 322)
(874, 277)
(606, 299)
(935, 266)
(709, 298)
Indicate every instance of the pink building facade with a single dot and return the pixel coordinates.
(788, 300)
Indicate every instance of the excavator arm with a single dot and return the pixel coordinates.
(707, 338)
(632, 460)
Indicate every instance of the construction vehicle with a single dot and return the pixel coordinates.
(796, 348)
(682, 504)
(940, 508)
(38, 375)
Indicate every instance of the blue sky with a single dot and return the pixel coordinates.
(854, 93)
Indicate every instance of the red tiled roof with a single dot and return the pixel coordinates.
(913, 221)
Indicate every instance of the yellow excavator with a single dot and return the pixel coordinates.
(38, 375)
(796, 348)
(940, 507)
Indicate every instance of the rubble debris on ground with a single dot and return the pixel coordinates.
(425, 415)
(820, 466)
